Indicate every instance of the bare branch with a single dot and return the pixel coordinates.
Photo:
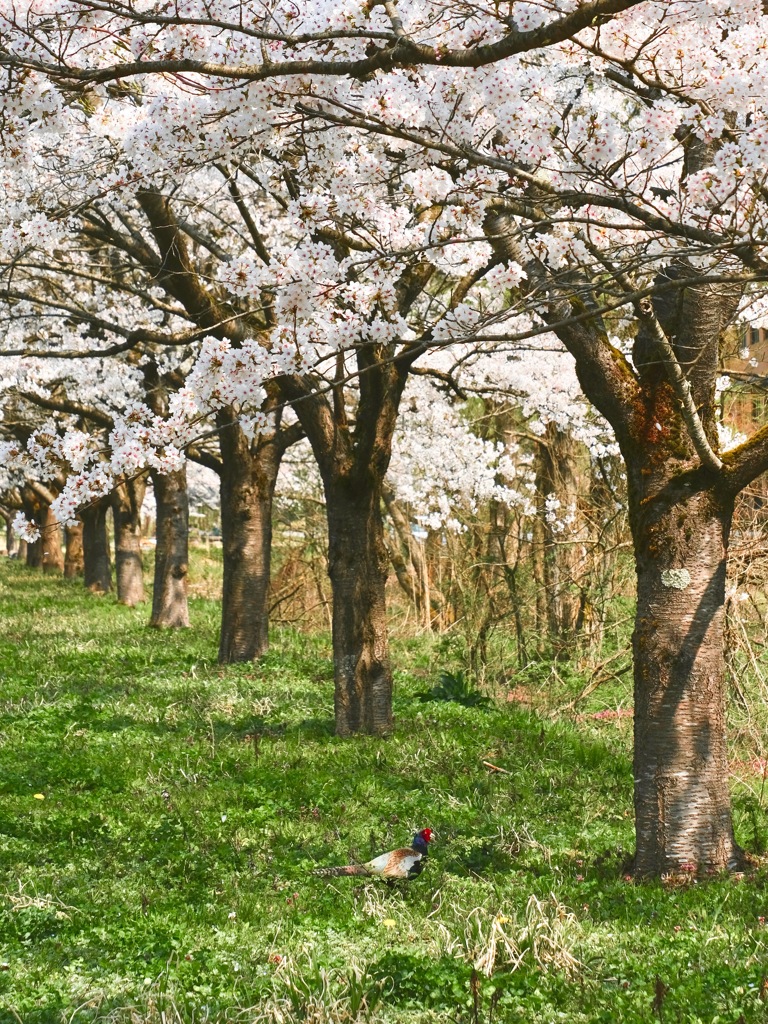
(399, 51)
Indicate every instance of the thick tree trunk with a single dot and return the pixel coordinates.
(52, 550)
(127, 498)
(73, 562)
(357, 565)
(682, 800)
(248, 476)
(97, 570)
(169, 599)
(21, 550)
(353, 458)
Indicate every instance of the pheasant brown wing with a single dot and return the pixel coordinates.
(403, 863)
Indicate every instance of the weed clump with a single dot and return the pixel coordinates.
(456, 688)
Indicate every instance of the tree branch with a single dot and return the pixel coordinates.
(398, 52)
(681, 386)
(87, 412)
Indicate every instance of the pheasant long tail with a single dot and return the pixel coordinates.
(348, 869)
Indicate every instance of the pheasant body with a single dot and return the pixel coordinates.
(405, 863)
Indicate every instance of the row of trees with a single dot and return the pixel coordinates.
(146, 255)
(491, 486)
(369, 188)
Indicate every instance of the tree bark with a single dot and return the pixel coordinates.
(248, 476)
(97, 569)
(73, 561)
(170, 609)
(358, 566)
(52, 550)
(10, 539)
(682, 799)
(127, 498)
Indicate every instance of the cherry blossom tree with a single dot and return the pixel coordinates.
(509, 433)
(139, 259)
(30, 496)
(503, 172)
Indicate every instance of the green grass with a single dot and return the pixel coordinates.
(164, 875)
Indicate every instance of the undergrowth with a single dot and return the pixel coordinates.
(160, 818)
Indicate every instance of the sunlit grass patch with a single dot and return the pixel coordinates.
(160, 817)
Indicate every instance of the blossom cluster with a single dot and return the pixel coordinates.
(330, 212)
(462, 470)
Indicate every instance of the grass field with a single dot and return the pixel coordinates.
(159, 819)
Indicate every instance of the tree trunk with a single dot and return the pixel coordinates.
(353, 457)
(52, 550)
(73, 562)
(46, 552)
(682, 799)
(97, 569)
(127, 498)
(357, 565)
(248, 476)
(35, 553)
(169, 599)
(10, 538)
(33, 550)
(562, 557)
